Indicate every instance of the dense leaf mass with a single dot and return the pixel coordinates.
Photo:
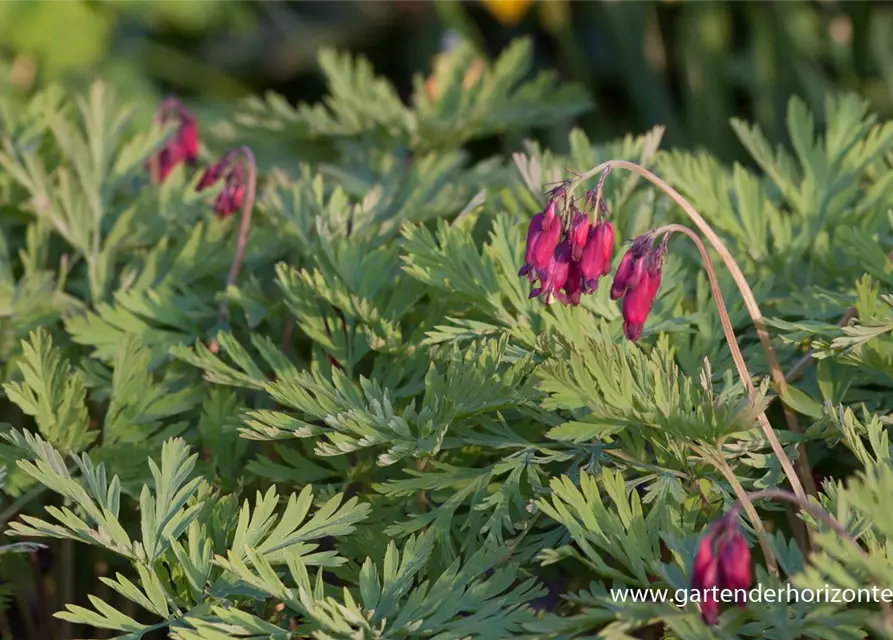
(383, 436)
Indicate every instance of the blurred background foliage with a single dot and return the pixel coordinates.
(688, 65)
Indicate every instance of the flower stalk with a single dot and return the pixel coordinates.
(238, 189)
(820, 514)
(804, 476)
(745, 502)
(737, 356)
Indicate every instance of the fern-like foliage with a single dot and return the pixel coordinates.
(385, 437)
(463, 99)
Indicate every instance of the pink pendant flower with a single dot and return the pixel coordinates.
(638, 280)
(573, 286)
(555, 276)
(565, 250)
(595, 260)
(533, 234)
(182, 147)
(231, 197)
(722, 562)
(579, 234)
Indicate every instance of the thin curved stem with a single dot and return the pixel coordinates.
(750, 303)
(242, 240)
(744, 500)
(620, 455)
(824, 516)
(737, 356)
(805, 505)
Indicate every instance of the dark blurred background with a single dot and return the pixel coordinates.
(688, 65)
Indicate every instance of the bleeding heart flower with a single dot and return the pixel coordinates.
(182, 147)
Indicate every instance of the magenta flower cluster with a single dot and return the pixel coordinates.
(231, 196)
(569, 250)
(567, 256)
(722, 562)
(637, 281)
(183, 148)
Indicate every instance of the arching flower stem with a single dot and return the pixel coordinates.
(242, 240)
(820, 514)
(737, 356)
(750, 303)
(744, 502)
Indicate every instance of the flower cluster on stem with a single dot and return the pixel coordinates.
(182, 147)
(568, 250)
(637, 281)
(646, 257)
(230, 168)
(237, 168)
(722, 560)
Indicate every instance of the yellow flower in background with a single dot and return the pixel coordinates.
(508, 12)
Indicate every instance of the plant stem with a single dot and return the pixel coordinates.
(67, 586)
(750, 303)
(620, 455)
(824, 516)
(422, 495)
(744, 500)
(737, 356)
(287, 333)
(242, 240)
(20, 503)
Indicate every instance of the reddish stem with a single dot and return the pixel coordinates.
(242, 240)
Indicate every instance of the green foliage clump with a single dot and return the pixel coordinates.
(384, 437)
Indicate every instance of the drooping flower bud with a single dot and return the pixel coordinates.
(637, 280)
(636, 306)
(723, 562)
(550, 215)
(592, 262)
(187, 138)
(231, 168)
(555, 275)
(573, 286)
(629, 271)
(230, 198)
(734, 563)
(639, 297)
(705, 576)
(182, 147)
(545, 246)
(213, 174)
(579, 234)
(596, 259)
(533, 234)
(607, 240)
